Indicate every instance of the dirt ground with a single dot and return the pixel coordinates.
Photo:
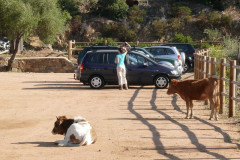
(141, 123)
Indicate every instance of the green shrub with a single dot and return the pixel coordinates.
(158, 29)
(180, 38)
(118, 32)
(214, 18)
(180, 11)
(113, 9)
(175, 24)
(226, 21)
(101, 41)
(213, 34)
(231, 46)
(70, 5)
(136, 17)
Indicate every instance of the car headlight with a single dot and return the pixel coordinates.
(190, 58)
(174, 72)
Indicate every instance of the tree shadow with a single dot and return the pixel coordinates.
(156, 136)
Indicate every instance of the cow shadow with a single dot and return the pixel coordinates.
(39, 144)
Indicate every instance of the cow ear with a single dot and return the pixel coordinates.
(57, 117)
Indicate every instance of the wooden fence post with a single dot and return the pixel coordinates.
(105, 42)
(213, 69)
(200, 67)
(207, 67)
(195, 66)
(213, 66)
(137, 43)
(232, 88)
(69, 50)
(222, 85)
(204, 67)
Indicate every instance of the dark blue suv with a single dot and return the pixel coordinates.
(98, 68)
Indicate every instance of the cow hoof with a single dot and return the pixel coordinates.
(186, 118)
(210, 118)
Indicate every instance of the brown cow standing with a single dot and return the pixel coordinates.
(203, 89)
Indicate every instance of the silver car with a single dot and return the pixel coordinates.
(169, 54)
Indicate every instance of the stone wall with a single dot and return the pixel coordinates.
(40, 65)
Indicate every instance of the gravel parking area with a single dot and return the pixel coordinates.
(141, 123)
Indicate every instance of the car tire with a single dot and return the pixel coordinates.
(96, 82)
(186, 67)
(161, 81)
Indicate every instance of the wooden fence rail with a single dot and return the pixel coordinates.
(205, 66)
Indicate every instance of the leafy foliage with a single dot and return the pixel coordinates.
(220, 4)
(70, 5)
(214, 20)
(118, 32)
(175, 24)
(231, 46)
(181, 11)
(213, 34)
(180, 38)
(158, 29)
(136, 17)
(21, 18)
(101, 41)
(113, 9)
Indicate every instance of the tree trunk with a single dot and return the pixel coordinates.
(13, 51)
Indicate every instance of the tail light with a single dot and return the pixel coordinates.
(194, 51)
(81, 67)
(179, 57)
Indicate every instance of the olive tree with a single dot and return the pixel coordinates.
(22, 18)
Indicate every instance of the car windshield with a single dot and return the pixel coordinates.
(148, 53)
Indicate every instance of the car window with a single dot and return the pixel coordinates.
(169, 51)
(182, 48)
(96, 59)
(158, 51)
(135, 60)
(150, 63)
(148, 49)
(140, 52)
(110, 58)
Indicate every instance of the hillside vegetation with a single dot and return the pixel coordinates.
(156, 20)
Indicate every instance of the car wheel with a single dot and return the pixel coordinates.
(96, 82)
(186, 67)
(161, 81)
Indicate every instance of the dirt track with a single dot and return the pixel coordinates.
(140, 123)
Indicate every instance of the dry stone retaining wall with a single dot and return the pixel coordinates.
(41, 65)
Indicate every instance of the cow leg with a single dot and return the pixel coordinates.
(216, 114)
(191, 107)
(212, 108)
(216, 111)
(187, 105)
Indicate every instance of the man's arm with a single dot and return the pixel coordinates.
(127, 46)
